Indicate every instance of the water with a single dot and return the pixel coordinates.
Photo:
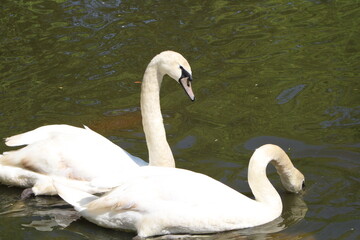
(264, 72)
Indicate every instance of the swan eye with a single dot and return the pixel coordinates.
(185, 74)
(303, 184)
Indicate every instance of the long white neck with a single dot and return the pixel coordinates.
(159, 150)
(260, 185)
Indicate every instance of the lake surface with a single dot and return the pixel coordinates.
(282, 72)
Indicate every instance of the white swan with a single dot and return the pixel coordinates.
(82, 154)
(157, 200)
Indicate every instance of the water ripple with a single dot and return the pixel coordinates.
(288, 94)
(119, 112)
(93, 14)
(345, 117)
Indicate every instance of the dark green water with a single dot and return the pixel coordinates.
(264, 72)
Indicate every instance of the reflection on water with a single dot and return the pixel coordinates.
(264, 72)
(50, 211)
(288, 94)
(343, 116)
(92, 14)
(300, 149)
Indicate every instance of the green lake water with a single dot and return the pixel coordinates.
(282, 72)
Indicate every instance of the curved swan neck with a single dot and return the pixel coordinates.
(260, 185)
(159, 150)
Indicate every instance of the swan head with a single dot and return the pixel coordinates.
(177, 67)
(294, 181)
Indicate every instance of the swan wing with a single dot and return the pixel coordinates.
(75, 197)
(76, 153)
(62, 150)
(40, 133)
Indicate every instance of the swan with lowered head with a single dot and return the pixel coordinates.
(157, 201)
(82, 154)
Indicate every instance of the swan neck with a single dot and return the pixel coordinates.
(159, 150)
(263, 190)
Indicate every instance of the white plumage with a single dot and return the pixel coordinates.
(159, 200)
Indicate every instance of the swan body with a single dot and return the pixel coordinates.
(159, 200)
(81, 154)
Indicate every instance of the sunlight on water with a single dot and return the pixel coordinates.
(264, 72)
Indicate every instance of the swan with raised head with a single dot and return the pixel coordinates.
(82, 154)
(156, 200)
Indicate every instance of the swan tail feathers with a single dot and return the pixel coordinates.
(75, 197)
(29, 137)
(38, 134)
(16, 140)
(18, 158)
(14, 176)
(10, 159)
